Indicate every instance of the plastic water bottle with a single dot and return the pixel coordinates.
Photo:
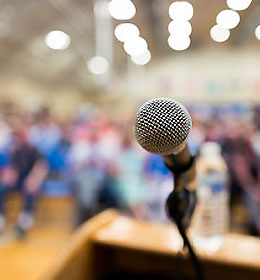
(211, 217)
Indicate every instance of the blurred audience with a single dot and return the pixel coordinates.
(129, 181)
(24, 170)
(96, 159)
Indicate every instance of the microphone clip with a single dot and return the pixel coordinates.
(180, 206)
(178, 169)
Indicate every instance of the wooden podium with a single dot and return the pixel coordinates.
(111, 246)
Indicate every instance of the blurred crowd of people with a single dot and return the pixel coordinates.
(95, 158)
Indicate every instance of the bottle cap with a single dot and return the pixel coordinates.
(210, 148)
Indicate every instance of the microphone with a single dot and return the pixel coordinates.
(162, 126)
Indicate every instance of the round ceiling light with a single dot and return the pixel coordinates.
(180, 28)
(121, 9)
(142, 59)
(135, 46)
(257, 32)
(179, 43)
(219, 34)
(98, 65)
(126, 31)
(57, 40)
(228, 19)
(181, 10)
(238, 5)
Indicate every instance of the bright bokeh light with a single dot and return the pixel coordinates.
(136, 46)
(126, 31)
(180, 28)
(121, 9)
(142, 59)
(228, 19)
(219, 34)
(57, 40)
(238, 5)
(257, 32)
(179, 43)
(98, 65)
(181, 10)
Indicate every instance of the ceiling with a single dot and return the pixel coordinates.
(24, 25)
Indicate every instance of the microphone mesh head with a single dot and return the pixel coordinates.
(162, 126)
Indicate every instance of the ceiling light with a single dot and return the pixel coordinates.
(57, 40)
(98, 65)
(181, 10)
(142, 59)
(180, 28)
(257, 32)
(125, 31)
(238, 5)
(179, 43)
(121, 9)
(228, 19)
(219, 34)
(135, 46)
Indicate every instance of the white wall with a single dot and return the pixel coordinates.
(230, 75)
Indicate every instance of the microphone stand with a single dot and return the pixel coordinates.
(175, 204)
(181, 201)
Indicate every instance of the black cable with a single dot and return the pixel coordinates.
(178, 269)
(178, 205)
(194, 258)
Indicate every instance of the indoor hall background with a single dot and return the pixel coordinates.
(212, 79)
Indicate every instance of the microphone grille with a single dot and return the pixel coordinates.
(162, 126)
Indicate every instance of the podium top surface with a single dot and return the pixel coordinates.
(164, 239)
